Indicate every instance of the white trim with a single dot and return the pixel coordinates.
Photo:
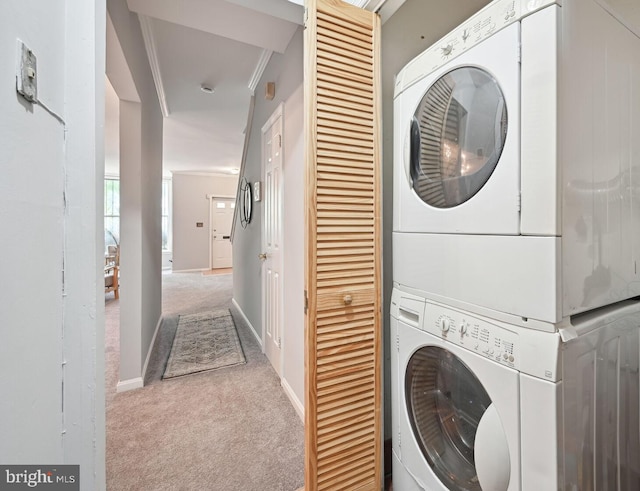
(277, 115)
(152, 53)
(201, 173)
(244, 317)
(219, 196)
(153, 342)
(297, 404)
(197, 270)
(265, 56)
(131, 384)
(386, 9)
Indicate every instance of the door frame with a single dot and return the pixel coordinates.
(211, 198)
(277, 113)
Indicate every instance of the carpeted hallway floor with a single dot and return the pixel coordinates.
(227, 430)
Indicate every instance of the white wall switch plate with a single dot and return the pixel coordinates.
(27, 72)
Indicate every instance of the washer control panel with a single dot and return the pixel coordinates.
(472, 333)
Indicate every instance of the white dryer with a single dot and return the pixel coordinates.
(516, 169)
(479, 405)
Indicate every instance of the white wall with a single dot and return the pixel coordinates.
(51, 216)
(628, 11)
(190, 206)
(293, 245)
(31, 213)
(140, 192)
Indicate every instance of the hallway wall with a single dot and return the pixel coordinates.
(190, 206)
(286, 71)
(141, 192)
(52, 343)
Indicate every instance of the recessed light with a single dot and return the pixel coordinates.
(207, 89)
(235, 170)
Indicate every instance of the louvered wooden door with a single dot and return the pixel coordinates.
(343, 280)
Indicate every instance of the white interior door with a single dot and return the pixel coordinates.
(221, 220)
(271, 240)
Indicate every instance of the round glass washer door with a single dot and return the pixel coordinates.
(445, 403)
(457, 135)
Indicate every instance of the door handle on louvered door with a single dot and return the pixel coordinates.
(262, 256)
(348, 299)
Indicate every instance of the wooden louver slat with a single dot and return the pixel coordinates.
(343, 438)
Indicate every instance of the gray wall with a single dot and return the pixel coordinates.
(412, 29)
(51, 216)
(191, 205)
(141, 190)
(286, 71)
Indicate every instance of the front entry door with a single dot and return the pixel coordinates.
(222, 218)
(271, 240)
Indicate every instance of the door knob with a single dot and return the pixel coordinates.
(348, 299)
(262, 256)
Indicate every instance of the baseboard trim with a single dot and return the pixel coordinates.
(131, 384)
(153, 342)
(197, 270)
(297, 405)
(244, 317)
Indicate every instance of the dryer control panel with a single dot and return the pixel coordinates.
(495, 16)
(477, 335)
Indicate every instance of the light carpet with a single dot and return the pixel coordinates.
(204, 341)
(222, 430)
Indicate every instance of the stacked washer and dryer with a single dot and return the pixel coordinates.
(515, 315)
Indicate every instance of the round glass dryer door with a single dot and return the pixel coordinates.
(457, 136)
(445, 404)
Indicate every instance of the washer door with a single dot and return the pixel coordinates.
(458, 133)
(447, 405)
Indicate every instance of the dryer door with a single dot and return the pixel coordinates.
(458, 133)
(447, 405)
(457, 148)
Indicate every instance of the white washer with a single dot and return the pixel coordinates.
(516, 163)
(479, 405)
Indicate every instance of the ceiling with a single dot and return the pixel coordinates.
(222, 44)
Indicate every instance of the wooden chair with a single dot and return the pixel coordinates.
(111, 270)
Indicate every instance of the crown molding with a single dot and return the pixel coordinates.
(152, 53)
(259, 70)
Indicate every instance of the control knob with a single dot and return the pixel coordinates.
(444, 325)
(463, 329)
